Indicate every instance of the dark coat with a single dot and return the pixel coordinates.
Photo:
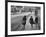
(36, 19)
(24, 20)
(31, 21)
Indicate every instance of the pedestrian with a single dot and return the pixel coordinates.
(24, 21)
(31, 21)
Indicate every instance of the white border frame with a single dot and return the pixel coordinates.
(23, 32)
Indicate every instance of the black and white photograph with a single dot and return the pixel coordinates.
(25, 18)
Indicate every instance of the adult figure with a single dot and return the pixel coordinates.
(37, 24)
(36, 20)
(31, 21)
(24, 21)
